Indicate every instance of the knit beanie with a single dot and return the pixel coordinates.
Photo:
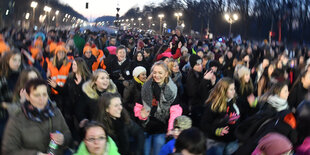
(182, 122)
(138, 70)
(243, 71)
(87, 48)
(194, 59)
(60, 48)
(273, 144)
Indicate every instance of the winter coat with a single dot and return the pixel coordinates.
(110, 149)
(132, 95)
(197, 88)
(115, 70)
(265, 121)
(87, 103)
(244, 106)
(163, 111)
(213, 121)
(167, 148)
(24, 136)
(297, 95)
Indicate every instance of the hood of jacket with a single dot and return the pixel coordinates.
(111, 148)
(92, 93)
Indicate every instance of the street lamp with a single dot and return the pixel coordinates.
(139, 19)
(161, 16)
(56, 13)
(47, 9)
(231, 19)
(150, 21)
(33, 4)
(178, 15)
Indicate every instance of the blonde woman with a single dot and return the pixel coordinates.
(98, 84)
(221, 117)
(159, 109)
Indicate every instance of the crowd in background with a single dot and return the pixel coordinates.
(139, 93)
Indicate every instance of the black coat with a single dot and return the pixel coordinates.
(257, 126)
(243, 104)
(131, 96)
(212, 120)
(297, 95)
(197, 88)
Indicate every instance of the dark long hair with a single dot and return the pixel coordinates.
(22, 80)
(4, 63)
(104, 117)
(81, 68)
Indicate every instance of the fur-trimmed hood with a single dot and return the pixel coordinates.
(92, 93)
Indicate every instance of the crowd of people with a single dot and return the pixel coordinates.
(133, 93)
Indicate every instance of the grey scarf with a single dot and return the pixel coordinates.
(278, 103)
(167, 97)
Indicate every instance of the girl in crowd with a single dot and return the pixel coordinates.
(29, 131)
(221, 116)
(176, 75)
(11, 66)
(119, 125)
(96, 141)
(264, 82)
(138, 60)
(132, 93)
(245, 89)
(98, 84)
(299, 90)
(71, 92)
(58, 70)
(19, 95)
(158, 110)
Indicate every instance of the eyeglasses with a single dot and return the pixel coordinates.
(92, 140)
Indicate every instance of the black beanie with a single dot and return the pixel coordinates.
(193, 60)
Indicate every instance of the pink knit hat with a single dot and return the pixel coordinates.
(273, 144)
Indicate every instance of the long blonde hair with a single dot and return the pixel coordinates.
(218, 97)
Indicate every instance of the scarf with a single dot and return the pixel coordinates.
(164, 96)
(37, 115)
(138, 80)
(278, 103)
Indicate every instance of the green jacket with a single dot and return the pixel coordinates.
(111, 148)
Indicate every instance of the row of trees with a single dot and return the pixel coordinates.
(257, 17)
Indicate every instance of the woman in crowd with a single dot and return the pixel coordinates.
(58, 70)
(159, 109)
(71, 92)
(176, 75)
(119, 125)
(299, 90)
(11, 66)
(96, 141)
(89, 58)
(245, 90)
(98, 84)
(274, 116)
(139, 60)
(39, 121)
(132, 93)
(221, 116)
(264, 82)
(19, 95)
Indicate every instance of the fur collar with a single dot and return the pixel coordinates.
(92, 93)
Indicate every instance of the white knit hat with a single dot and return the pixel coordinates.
(138, 70)
(242, 71)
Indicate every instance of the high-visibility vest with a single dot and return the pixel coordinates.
(60, 76)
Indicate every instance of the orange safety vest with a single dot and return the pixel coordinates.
(60, 76)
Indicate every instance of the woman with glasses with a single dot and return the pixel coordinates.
(96, 141)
